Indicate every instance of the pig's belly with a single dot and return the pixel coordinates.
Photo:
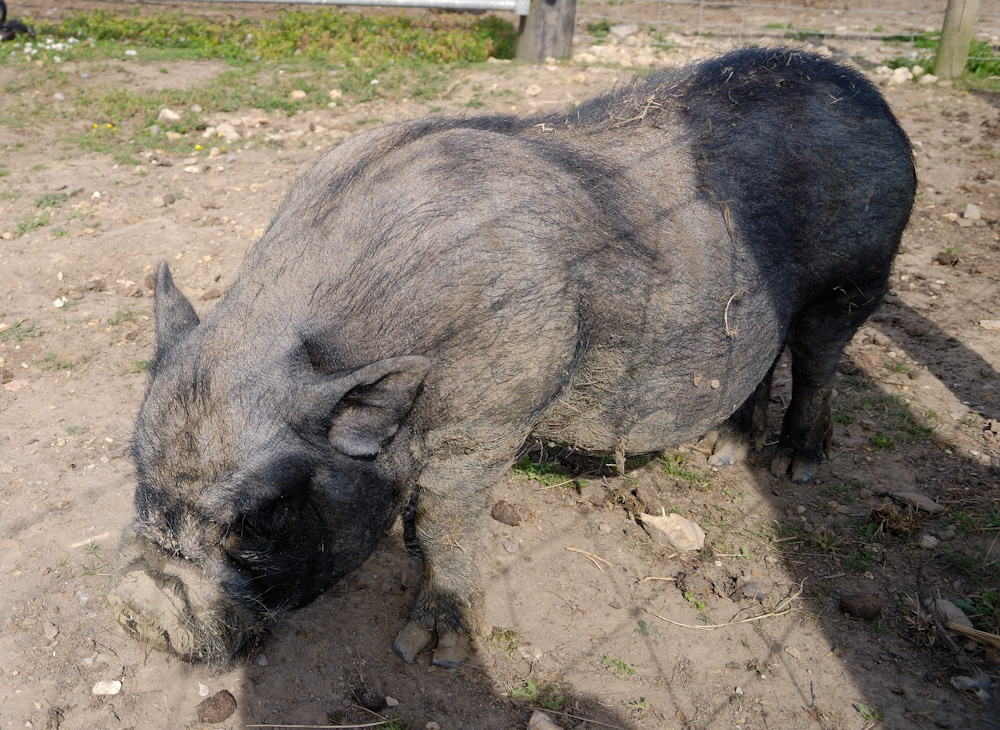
(606, 409)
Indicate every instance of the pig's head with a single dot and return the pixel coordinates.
(262, 478)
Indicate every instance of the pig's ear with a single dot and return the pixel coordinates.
(175, 316)
(377, 398)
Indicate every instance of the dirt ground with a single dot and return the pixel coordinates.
(592, 619)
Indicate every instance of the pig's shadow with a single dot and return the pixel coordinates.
(318, 656)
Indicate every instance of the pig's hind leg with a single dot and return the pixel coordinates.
(748, 425)
(817, 341)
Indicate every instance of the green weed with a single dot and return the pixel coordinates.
(51, 362)
(543, 472)
(617, 667)
(18, 331)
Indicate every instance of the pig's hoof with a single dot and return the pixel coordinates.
(728, 453)
(412, 640)
(800, 468)
(452, 650)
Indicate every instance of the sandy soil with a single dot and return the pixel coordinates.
(611, 638)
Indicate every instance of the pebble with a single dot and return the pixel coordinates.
(168, 116)
(624, 30)
(432, 726)
(107, 687)
(203, 690)
(540, 721)
(262, 660)
(298, 94)
(972, 212)
(217, 708)
(391, 701)
(533, 90)
(928, 542)
(51, 631)
(919, 501)
(510, 545)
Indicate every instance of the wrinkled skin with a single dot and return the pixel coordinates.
(620, 278)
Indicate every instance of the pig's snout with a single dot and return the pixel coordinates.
(175, 605)
(157, 612)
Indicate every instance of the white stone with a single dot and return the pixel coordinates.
(533, 90)
(927, 79)
(540, 721)
(107, 687)
(674, 531)
(624, 30)
(168, 116)
(972, 212)
(928, 542)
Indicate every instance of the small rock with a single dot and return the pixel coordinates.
(990, 324)
(540, 721)
(674, 531)
(533, 90)
(391, 701)
(107, 687)
(507, 513)
(432, 726)
(945, 534)
(227, 131)
(168, 116)
(793, 652)
(203, 690)
(298, 94)
(262, 660)
(217, 708)
(369, 698)
(919, 501)
(801, 509)
(865, 605)
(59, 96)
(972, 212)
(927, 79)
(928, 542)
(51, 631)
(624, 30)
(510, 545)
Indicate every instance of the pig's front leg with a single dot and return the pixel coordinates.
(449, 605)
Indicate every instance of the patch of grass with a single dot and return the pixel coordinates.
(51, 362)
(75, 430)
(20, 332)
(895, 421)
(646, 629)
(599, 29)
(676, 465)
(860, 561)
(546, 696)
(983, 609)
(140, 366)
(328, 36)
(545, 473)
(124, 314)
(30, 223)
(505, 641)
(51, 200)
(617, 667)
(694, 601)
(897, 366)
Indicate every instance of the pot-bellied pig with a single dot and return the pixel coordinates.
(619, 278)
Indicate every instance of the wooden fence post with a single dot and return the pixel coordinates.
(956, 35)
(547, 30)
